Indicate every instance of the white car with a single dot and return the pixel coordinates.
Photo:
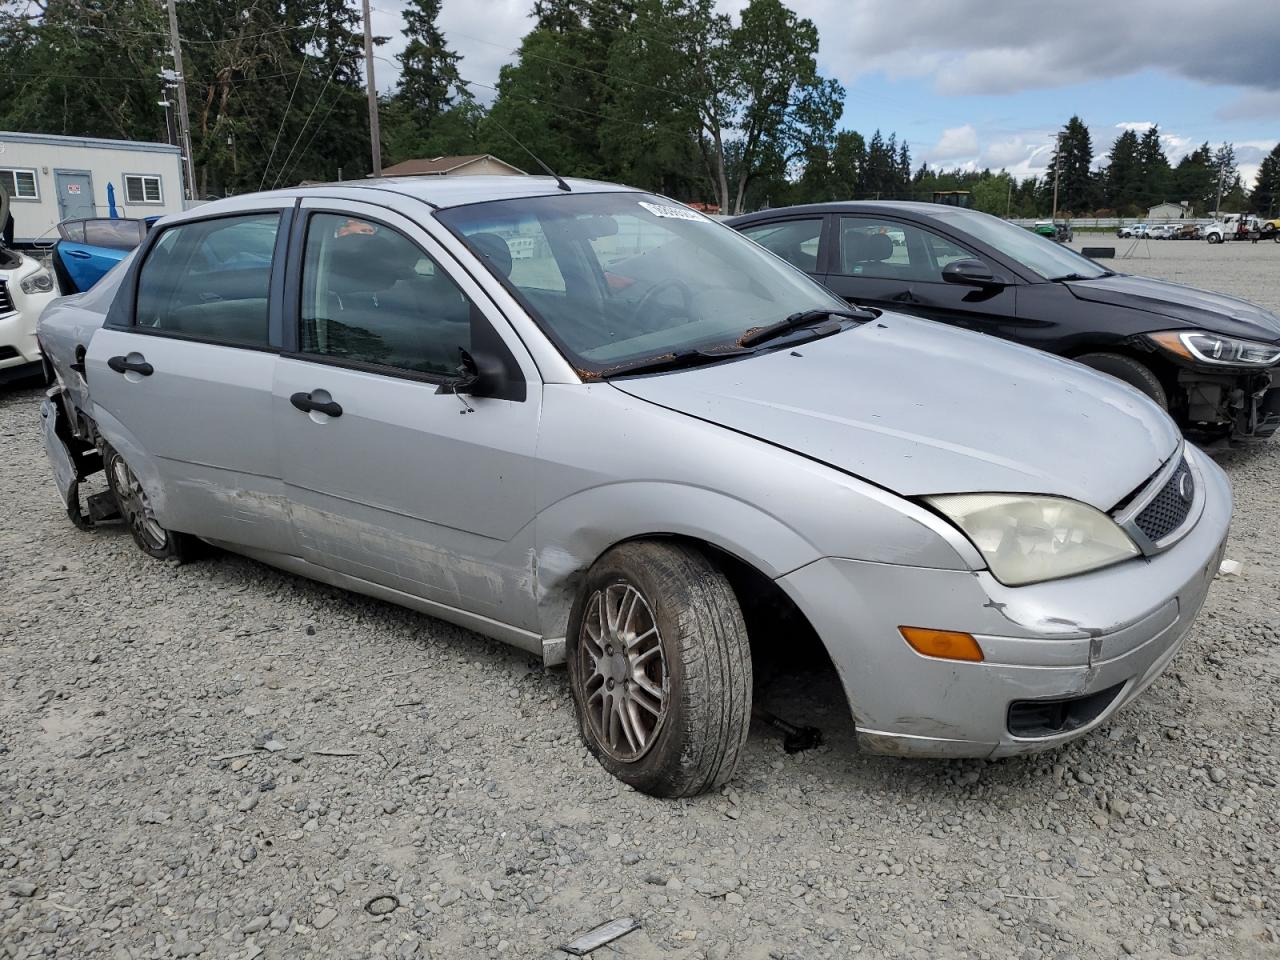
(26, 288)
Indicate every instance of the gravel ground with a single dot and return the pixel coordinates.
(220, 760)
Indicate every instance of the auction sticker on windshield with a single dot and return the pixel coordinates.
(667, 210)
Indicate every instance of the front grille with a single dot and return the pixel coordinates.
(6, 301)
(1169, 509)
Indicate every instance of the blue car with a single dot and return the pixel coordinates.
(89, 248)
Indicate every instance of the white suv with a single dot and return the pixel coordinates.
(26, 288)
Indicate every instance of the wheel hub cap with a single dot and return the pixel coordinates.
(626, 687)
(136, 506)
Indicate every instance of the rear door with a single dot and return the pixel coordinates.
(93, 247)
(182, 381)
(897, 265)
(427, 493)
(798, 240)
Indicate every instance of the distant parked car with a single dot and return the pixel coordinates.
(26, 288)
(1054, 230)
(87, 249)
(645, 448)
(1208, 359)
(1133, 230)
(1187, 231)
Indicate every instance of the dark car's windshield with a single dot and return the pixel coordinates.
(617, 277)
(1046, 258)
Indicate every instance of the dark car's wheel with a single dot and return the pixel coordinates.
(661, 669)
(153, 539)
(1130, 371)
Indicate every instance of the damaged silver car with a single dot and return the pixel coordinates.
(595, 424)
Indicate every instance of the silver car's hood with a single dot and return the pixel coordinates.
(919, 407)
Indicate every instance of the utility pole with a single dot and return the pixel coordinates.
(375, 131)
(184, 119)
(1217, 204)
(1057, 171)
(1008, 204)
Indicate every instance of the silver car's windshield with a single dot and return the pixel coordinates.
(615, 278)
(1047, 258)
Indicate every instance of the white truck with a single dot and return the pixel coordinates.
(1234, 226)
(26, 288)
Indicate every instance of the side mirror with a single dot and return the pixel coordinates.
(483, 377)
(973, 273)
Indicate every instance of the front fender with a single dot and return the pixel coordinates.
(571, 534)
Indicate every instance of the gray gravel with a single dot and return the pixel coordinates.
(219, 760)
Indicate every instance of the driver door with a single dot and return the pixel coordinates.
(390, 481)
(897, 265)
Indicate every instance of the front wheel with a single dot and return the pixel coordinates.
(660, 669)
(1132, 372)
(1214, 238)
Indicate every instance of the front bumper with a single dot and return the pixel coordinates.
(1094, 641)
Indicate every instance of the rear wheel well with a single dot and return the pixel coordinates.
(1165, 371)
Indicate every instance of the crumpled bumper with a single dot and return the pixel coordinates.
(1060, 658)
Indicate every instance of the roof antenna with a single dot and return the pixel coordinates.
(545, 169)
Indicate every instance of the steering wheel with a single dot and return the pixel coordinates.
(651, 295)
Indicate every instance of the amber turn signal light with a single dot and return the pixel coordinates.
(944, 644)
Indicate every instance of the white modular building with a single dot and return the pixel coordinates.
(53, 178)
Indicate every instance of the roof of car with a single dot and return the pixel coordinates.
(441, 192)
(917, 207)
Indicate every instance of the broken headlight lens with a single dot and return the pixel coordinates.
(1027, 539)
(37, 283)
(1201, 347)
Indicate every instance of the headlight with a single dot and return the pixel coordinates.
(38, 283)
(1201, 347)
(1027, 539)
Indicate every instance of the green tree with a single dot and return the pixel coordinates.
(1072, 164)
(1124, 174)
(1154, 169)
(1195, 179)
(1266, 188)
(1228, 183)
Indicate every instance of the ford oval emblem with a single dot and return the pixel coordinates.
(1186, 490)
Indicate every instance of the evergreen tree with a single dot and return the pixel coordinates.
(1195, 179)
(1228, 183)
(1071, 163)
(1266, 189)
(1154, 167)
(1124, 174)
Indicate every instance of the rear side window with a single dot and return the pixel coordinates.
(210, 279)
(113, 234)
(372, 296)
(795, 241)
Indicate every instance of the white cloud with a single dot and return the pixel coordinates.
(1137, 126)
(955, 144)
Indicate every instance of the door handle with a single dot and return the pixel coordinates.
(125, 365)
(78, 254)
(304, 403)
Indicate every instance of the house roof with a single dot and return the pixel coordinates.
(95, 143)
(438, 166)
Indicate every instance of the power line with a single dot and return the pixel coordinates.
(323, 90)
(297, 81)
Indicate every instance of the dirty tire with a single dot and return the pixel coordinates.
(151, 538)
(696, 745)
(1131, 371)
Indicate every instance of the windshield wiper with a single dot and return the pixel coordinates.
(799, 320)
(1081, 276)
(672, 361)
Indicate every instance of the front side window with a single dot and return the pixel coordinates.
(1041, 255)
(139, 188)
(614, 278)
(20, 184)
(210, 279)
(371, 295)
(795, 241)
(890, 250)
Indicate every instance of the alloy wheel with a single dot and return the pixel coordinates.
(135, 505)
(626, 684)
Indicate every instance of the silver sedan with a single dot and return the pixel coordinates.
(597, 425)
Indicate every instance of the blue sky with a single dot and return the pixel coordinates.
(987, 82)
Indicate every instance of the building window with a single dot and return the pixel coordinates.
(139, 188)
(20, 184)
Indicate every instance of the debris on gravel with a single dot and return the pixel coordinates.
(221, 760)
